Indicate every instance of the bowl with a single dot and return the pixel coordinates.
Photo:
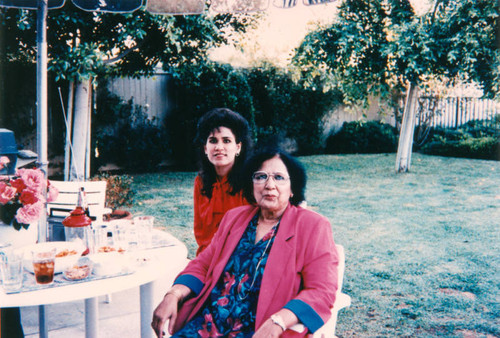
(67, 254)
(80, 270)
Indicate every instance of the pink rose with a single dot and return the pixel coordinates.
(52, 193)
(29, 213)
(18, 184)
(7, 193)
(29, 196)
(33, 178)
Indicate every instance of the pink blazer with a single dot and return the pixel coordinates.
(300, 274)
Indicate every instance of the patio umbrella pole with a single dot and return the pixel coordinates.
(41, 127)
(41, 100)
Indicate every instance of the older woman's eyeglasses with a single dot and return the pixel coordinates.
(261, 177)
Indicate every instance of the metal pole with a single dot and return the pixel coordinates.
(91, 317)
(41, 102)
(146, 306)
(43, 328)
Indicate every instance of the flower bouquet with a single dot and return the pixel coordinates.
(22, 198)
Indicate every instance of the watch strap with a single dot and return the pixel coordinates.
(276, 319)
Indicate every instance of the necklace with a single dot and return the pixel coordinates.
(240, 297)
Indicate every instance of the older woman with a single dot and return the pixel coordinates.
(271, 265)
(223, 140)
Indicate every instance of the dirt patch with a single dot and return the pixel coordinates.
(453, 292)
(471, 334)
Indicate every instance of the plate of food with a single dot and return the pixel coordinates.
(67, 254)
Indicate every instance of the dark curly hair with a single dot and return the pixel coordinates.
(208, 123)
(298, 177)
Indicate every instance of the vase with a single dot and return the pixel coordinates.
(18, 238)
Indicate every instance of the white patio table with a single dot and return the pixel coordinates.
(167, 260)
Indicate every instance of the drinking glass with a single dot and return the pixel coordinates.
(125, 235)
(11, 269)
(144, 226)
(43, 265)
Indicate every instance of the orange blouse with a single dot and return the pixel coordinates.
(209, 212)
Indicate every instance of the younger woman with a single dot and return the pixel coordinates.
(224, 142)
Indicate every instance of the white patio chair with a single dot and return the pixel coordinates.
(341, 301)
(68, 197)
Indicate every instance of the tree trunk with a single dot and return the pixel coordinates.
(403, 159)
(80, 130)
(68, 119)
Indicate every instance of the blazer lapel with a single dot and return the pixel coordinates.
(279, 260)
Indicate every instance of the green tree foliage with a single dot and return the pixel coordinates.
(83, 44)
(378, 47)
(289, 109)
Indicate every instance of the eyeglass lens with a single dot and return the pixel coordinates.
(262, 177)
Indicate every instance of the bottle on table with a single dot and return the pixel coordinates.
(77, 224)
(82, 201)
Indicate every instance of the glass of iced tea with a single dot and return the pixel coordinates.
(43, 265)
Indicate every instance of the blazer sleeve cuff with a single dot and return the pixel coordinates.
(306, 314)
(191, 282)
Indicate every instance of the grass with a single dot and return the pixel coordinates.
(422, 248)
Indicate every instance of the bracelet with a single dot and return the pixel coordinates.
(175, 293)
(276, 319)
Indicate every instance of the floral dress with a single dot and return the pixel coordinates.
(231, 308)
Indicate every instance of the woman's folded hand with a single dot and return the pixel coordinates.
(167, 309)
(268, 330)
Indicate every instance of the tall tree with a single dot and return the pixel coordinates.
(383, 48)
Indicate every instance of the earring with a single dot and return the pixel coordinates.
(237, 154)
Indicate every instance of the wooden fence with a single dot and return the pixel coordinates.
(452, 112)
(152, 93)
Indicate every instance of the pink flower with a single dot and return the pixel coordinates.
(236, 326)
(34, 179)
(52, 193)
(29, 196)
(242, 281)
(209, 328)
(18, 183)
(3, 161)
(7, 193)
(228, 283)
(22, 197)
(223, 301)
(29, 213)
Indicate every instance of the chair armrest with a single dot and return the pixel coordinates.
(342, 301)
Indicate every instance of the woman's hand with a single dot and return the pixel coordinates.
(268, 329)
(167, 310)
(271, 329)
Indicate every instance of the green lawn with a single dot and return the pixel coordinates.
(422, 248)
